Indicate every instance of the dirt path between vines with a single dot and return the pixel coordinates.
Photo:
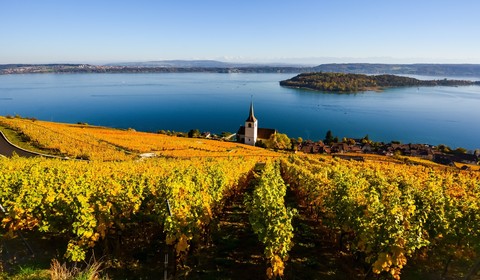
(235, 252)
(314, 254)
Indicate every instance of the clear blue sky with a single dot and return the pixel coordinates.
(404, 31)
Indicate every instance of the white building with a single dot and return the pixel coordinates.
(250, 133)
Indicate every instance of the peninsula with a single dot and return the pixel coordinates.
(345, 83)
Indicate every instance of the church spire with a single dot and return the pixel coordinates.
(251, 116)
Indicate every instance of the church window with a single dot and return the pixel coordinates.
(249, 125)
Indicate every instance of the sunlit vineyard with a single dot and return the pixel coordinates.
(64, 140)
(85, 202)
(389, 212)
(385, 214)
(98, 143)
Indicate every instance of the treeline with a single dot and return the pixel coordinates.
(341, 82)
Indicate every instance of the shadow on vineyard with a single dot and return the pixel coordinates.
(138, 255)
(234, 252)
(32, 250)
(315, 255)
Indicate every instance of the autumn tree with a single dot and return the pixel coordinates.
(279, 141)
(194, 133)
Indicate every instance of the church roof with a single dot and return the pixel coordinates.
(265, 133)
(251, 116)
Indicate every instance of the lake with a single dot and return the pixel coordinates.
(220, 102)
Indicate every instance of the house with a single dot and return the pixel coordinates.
(339, 148)
(367, 148)
(251, 133)
(310, 147)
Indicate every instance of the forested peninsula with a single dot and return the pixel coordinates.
(344, 83)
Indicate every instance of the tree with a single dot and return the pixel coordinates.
(366, 140)
(279, 141)
(444, 148)
(477, 152)
(329, 138)
(348, 141)
(193, 133)
(296, 142)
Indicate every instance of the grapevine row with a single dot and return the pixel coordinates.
(270, 219)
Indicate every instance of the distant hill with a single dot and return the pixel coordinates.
(175, 63)
(213, 66)
(201, 64)
(405, 69)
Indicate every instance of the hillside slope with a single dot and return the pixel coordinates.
(101, 143)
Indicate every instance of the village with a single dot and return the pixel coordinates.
(440, 154)
(251, 134)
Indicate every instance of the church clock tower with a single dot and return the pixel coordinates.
(251, 128)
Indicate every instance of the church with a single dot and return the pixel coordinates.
(250, 133)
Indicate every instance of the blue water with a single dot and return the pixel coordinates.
(220, 102)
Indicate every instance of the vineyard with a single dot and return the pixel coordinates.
(223, 210)
(106, 144)
(389, 213)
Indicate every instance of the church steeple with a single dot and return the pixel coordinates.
(251, 116)
(250, 134)
(251, 127)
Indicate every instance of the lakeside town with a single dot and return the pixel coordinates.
(11, 69)
(252, 134)
(349, 148)
(440, 154)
